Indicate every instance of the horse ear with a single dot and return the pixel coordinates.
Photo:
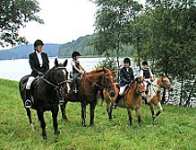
(65, 63)
(56, 63)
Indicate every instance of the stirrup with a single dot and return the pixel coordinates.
(61, 102)
(75, 91)
(28, 103)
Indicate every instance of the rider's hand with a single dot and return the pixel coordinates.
(40, 74)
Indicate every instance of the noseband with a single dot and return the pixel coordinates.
(56, 85)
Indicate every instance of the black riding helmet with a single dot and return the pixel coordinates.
(38, 43)
(144, 63)
(75, 53)
(127, 61)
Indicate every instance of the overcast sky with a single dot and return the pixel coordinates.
(65, 20)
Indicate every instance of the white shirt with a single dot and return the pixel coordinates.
(39, 56)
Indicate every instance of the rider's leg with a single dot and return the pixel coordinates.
(28, 101)
(121, 92)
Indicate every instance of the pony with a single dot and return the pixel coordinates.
(131, 100)
(154, 97)
(90, 84)
(46, 91)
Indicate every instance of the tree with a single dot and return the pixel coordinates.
(112, 18)
(14, 14)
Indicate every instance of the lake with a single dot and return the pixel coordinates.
(16, 69)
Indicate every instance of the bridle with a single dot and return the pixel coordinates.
(57, 86)
(100, 86)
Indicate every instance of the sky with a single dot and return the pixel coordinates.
(65, 20)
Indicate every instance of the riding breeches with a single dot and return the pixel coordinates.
(29, 82)
(122, 89)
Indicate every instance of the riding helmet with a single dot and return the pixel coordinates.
(144, 63)
(75, 53)
(38, 43)
(127, 60)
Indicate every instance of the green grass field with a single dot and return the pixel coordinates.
(174, 130)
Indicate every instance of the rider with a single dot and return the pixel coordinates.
(77, 70)
(39, 64)
(126, 77)
(147, 75)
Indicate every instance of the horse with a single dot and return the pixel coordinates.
(90, 84)
(154, 96)
(131, 100)
(46, 91)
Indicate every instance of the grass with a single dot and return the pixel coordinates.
(174, 130)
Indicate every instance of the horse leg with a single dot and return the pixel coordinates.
(92, 112)
(152, 112)
(109, 110)
(55, 122)
(138, 113)
(40, 115)
(130, 117)
(160, 109)
(83, 112)
(63, 111)
(30, 119)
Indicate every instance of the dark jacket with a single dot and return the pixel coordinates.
(126, 76)
(146, 73)
(35, 66)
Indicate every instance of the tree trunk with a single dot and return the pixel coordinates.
(117, 57)
(181, 90)
(190, 94)
(138, 54)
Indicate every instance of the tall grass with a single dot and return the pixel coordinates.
(175, 129)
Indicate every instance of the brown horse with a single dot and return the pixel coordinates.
(132, 99)
(154, 96)
(90, 84)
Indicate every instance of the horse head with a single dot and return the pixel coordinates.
(164, 82)
(138, 85)
(58, 78)
(107, 81)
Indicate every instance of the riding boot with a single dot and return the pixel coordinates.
(75, 89)
(145, 99)
(115, 104)
(28, 102)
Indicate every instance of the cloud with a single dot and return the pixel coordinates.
(65, 20)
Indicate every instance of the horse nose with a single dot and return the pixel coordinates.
(112, 94)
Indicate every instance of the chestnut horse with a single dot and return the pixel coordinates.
(132, 99)
(90, 84)
(154, 96)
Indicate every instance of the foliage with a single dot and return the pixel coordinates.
(14, 14)
(163, 32)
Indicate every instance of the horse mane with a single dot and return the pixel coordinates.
(99, 70)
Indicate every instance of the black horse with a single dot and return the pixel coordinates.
(46, 92)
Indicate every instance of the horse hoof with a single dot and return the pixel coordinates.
(92, 125)
(57, 132)
(44, 137)
(84, 125)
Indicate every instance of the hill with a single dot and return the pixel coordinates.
(175, 128)
(85, 45)
(23, 51)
